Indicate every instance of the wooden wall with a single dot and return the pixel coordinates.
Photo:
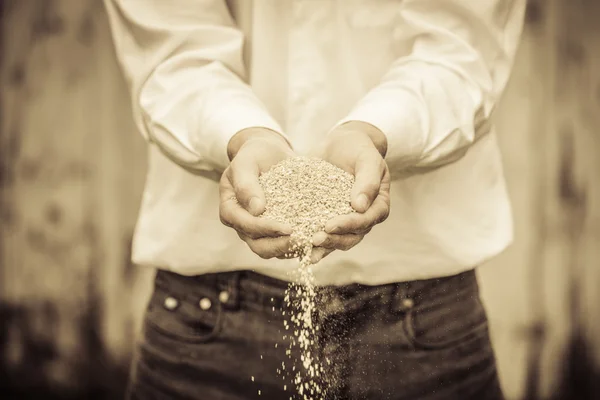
(546, 284)
(72, 174)
(72, 170)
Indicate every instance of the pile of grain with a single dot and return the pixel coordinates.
(305, 193)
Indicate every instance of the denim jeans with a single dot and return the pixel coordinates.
(221, 337)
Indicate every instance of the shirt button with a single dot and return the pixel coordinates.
(224, 296)
(205, 304)
(171, 303)
(408, 303)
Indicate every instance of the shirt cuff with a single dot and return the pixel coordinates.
(401, 118)
(193, 122)
(244, 118)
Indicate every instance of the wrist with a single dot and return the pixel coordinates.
(245, 135)
(374, 134)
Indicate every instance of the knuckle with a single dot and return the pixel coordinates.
(257, 249)
(243, 191)
(352, 242)
(252, 234)
(328, 252)
(241, 236)
(384, 215)
(328, 242)
(285, 248)
(225, 218)
(248, 233)
(363, 226)
(346, 246)
(371, 187)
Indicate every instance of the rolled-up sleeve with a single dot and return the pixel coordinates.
(437, 100)
(183, 62)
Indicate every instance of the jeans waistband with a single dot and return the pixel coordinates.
(232, 288)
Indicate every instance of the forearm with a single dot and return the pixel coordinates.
(434, 102)
(182, 60)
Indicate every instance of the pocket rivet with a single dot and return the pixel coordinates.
(171, 303)
(205, 304)
(224, 296)
(408, 303)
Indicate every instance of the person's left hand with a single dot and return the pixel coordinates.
(358, 148)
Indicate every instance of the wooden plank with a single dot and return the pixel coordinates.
(73, 172)
(120, 162)
(574, 210)
(511, 286)
(50, 242)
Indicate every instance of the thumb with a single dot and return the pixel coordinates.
(368, 171)
(249, 193)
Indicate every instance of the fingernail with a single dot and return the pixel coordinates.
(361, 202)
(254, 206)
(319, 238)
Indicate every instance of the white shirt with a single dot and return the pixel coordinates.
(427, 73)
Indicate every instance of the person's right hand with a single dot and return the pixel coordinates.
(253, 151)
(359, 149)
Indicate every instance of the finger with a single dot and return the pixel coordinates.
(244, 179)
(233, 215)
(226, 191)
(356, 223)
(327, 252)
(319, 253)
(267, 248)
(368, 172)
(336, 242)
(286, 256)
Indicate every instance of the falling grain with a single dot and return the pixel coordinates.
(305, 193)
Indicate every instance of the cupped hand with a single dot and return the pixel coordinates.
(357, 148)
(252, 152)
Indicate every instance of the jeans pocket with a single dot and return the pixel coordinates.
(182, 318)
(447, 318)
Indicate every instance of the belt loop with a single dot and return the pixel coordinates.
(229, 289)
(401, 301)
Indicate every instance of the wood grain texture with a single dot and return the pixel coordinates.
(547, 282)
(72, 172)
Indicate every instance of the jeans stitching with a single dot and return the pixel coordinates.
(214, 332)
(410, 331)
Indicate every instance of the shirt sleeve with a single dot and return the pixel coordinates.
(183, 62)
(437, 100)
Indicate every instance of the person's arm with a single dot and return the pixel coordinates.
(436, 101)
(182, 60)
(428, 109)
